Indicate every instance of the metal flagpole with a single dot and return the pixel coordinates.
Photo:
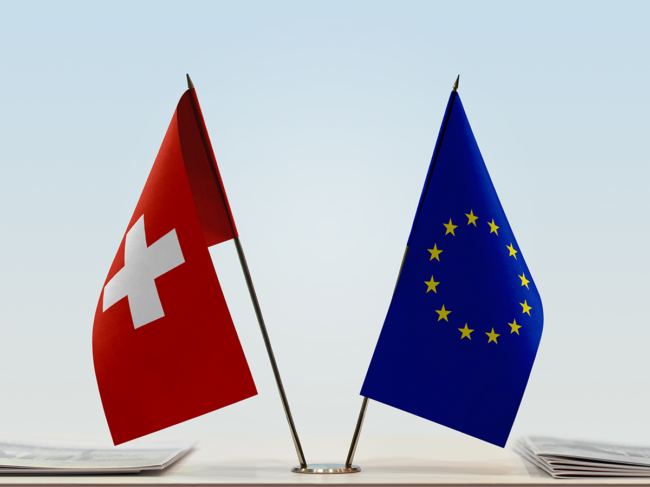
(364, 404)
(269, 350)
(267, 341)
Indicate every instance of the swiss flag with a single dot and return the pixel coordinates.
(164, 345)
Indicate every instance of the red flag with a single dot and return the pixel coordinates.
(164, 345)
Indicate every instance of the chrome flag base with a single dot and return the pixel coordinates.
(326, 468)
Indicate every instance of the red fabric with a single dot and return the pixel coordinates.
(190, 361)
(203, 173)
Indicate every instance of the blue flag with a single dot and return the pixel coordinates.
(465, 321)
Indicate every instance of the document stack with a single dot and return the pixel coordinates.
(563, 459)
(50, 457)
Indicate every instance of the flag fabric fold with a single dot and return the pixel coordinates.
(465, 321)
(203, 175)
(165, 348)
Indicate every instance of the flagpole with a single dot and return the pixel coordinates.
(269, 351)
(265, 335)
(364, 404)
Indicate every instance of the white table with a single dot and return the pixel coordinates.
(385, 460)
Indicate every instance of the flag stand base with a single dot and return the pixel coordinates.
(325, 468)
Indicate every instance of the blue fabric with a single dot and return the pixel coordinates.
(427, 361)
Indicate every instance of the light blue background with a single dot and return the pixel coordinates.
(323, 117)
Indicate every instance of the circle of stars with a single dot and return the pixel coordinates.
(443, 313)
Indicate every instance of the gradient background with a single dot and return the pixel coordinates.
(323, 116)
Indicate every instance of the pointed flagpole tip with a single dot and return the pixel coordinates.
(455, 84)
(190, 85)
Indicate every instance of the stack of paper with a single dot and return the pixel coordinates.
(48, 457)
(568, 458)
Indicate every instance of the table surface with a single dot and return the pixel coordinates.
(384, 460)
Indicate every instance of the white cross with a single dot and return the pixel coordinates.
(142, 265)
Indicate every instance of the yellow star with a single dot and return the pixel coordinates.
(435, 253)
(514, 327)
(432, 285)
(512, 251)
(524, 281)
(526, 307)
(493, 227)
(472, 218)
(450, 227)
(442, 314)
(493, 336)
(465, 332)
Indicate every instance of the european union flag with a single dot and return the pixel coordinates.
(465, 321)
